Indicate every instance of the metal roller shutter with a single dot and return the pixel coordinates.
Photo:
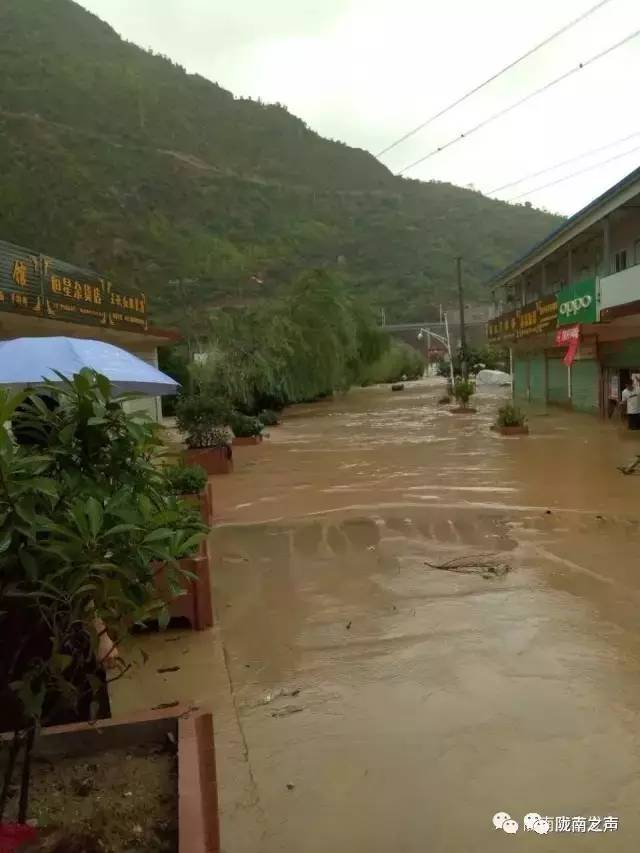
(585, 386)
(557, 381)
(520, 377)
(537, 379)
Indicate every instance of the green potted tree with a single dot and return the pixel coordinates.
(510, 421)
(85, 519)
(190, 484)
(246, 429)
(463, 390)
(204, 421)
(269, 417)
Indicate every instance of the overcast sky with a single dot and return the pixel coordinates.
(367, 71)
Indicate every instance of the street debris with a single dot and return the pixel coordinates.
(164, 669)
(630, 467)
(82, 787)
(278, 693)
(287, 711)
(290, 787)
(348, 625)
(487, 565)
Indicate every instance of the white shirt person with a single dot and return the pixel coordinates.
(631, 396)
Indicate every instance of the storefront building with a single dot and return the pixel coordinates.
(569, 309)
(44, 297)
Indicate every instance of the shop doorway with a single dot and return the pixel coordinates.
(615, 381)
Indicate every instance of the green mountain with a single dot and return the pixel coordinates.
(117, 159)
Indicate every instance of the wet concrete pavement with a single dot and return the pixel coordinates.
(367, 702)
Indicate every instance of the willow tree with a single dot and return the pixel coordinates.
(314, 340)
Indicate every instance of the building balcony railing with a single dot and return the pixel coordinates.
(620, 294)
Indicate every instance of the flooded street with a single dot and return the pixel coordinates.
(367, 702)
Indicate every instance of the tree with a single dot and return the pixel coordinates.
(86, 521)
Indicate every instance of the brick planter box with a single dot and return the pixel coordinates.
(511, 430)
(191, 730)
(202, 502)
(214, 460)
(195, 605)
(246, 440)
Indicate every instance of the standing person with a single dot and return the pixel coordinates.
(631, 398)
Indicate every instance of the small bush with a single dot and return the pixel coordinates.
(399, 362)
(510, 416)
(185, 479)
(244, 425)
(269, 418)
(203, 419)
(463, 390)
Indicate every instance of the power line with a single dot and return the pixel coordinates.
(495, 76)
(563, 163)
(528, 97)
(575, 174)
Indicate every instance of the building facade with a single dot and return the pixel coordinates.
(42, 296)
(569, 309)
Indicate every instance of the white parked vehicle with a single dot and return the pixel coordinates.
(493, 377)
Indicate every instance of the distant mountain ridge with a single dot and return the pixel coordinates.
(116, 158)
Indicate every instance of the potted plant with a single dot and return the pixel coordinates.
(463, 390)
(189, 483)
(203, 419)
(246, 429)
(84, 520)
(269, 417)
(510, 421)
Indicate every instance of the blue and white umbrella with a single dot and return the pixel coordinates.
(27, 361)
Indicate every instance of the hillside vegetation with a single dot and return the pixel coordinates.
(117, 159)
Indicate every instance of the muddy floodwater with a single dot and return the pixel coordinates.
(367, 702)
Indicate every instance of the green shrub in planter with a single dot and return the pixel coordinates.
(463, 390)
(269, 418)
(185, 479)
(244, 426)
(510, 416)
(203, 419)
(85, 519)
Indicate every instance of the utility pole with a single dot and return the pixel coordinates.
(463, 339)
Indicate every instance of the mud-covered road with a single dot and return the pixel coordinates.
(366, 702)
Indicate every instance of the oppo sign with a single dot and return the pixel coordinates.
(577, 303)
(574, 306)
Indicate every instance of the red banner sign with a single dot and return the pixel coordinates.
(567, 335)
(571, 352)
